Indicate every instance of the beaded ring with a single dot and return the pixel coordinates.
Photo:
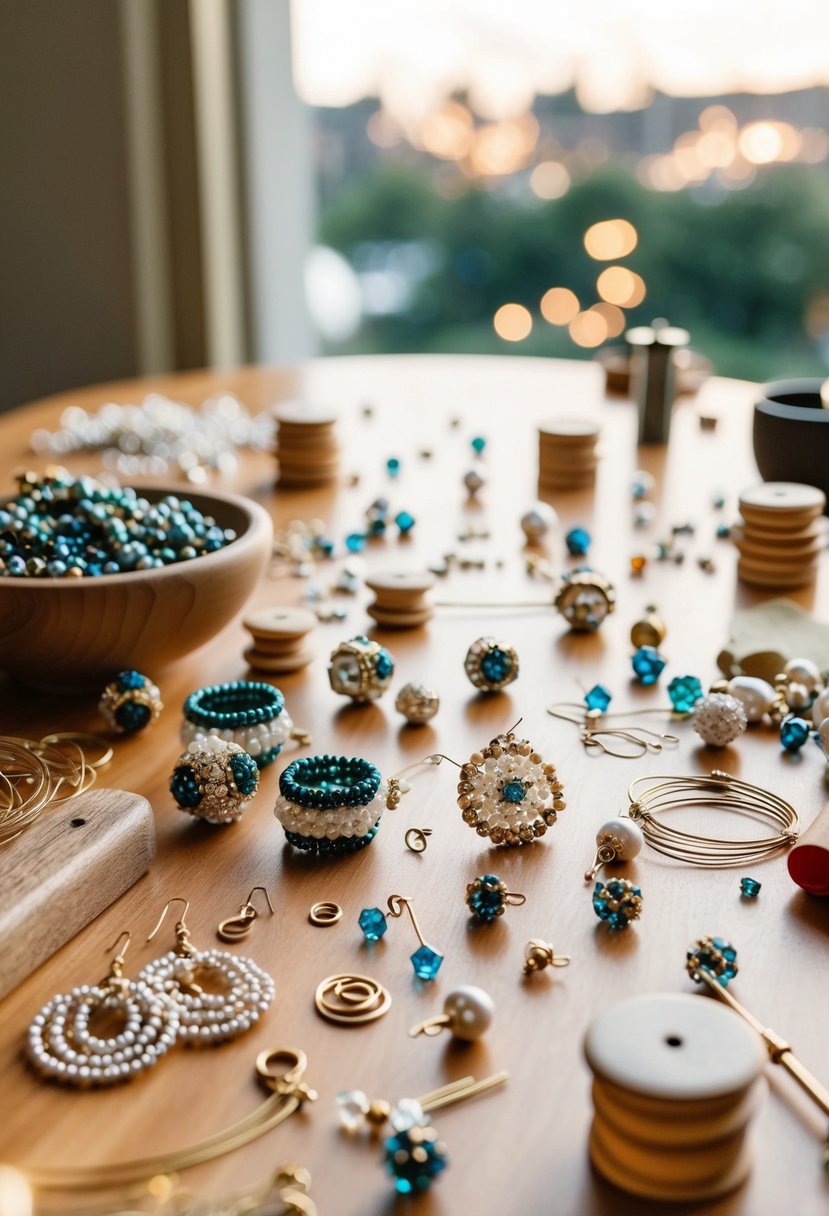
(248, 712)
(330, 804)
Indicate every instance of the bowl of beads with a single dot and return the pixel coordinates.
(95, 578)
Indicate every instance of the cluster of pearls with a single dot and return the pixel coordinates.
(62, 1047)
(256, 740)
(331, 823)
(214, 780)
(508, 793)
(210, 1017)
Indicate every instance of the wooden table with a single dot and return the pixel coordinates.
(522, 1149)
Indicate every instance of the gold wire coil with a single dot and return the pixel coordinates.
(36, 773)
(351, 999)
(416, 839)
(649, 795)
(325, 913)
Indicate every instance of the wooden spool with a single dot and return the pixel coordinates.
(76, 859)
(677, 1081)
(567, 457)
(782, 535)
(400, 599)
(307, 450)
(278, 638)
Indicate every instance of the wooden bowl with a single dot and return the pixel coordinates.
(791, 433)
(63, 633)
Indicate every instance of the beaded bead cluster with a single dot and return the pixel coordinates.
(250, 713)
(214, 779)
(486, 898)
(61, 527)
(130, 703)
(618, 902)
(361, 669)
(508, 793)
(330, 804)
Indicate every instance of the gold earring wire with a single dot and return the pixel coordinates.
(593, 732)
(234, 928)
(183, 944)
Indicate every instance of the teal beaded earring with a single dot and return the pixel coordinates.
(426, 960)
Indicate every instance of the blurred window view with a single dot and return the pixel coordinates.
(533, 177)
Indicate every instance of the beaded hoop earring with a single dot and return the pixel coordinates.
(250, 713)
(331, 804)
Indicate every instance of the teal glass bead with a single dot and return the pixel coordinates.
(618, 902)
(478, 444)
(496, 665)
(414, 1158)
(514, 792)
(684, 692)
(392, 466)
(648, 664)
(750, 888)
(404, 521)
(485, 898)
(355, 542)
(794, 732)
(598, 698)
(577, 541)
(384, 664)
(373, 923)
(426, 962)
(714, 955)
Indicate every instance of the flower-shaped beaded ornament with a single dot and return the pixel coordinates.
(214, 780)
(130, 702)
(508, 793)
(361, 669)
(330, 804)
(248, 712)
(491, 665)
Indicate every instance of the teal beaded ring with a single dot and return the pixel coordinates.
(248, 712)
(330, 804)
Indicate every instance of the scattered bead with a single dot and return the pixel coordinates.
(417, 703)
(750, 888)
(803, 671)
(642, 485)
(487, 897)
(716, 956)
(719, 719)
(684, 692)
(618, 902)
(755, 695)
(638, 563)
(648, 665)
(473, 481)
(373, 923)
(706, 564)
(490, 665)
(392, 466)
(578, 542)
(538, 521)
(598, 698)
(478, 444)
(414, 1158)
(405, 522)
(794, 733)
(355, 542)
(426, 962)
(130, 703)
(650, 631)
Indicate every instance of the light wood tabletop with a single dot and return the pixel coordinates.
(523, 1148)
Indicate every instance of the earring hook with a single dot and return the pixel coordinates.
(119, 957)
(177, 899)
(265, 893)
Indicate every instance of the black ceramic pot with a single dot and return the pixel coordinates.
(791, 433)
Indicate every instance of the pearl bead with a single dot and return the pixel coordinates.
(820, 709)
(823, 731)
(470, 1011)
(755, 695)
(803, 671)
(797, 696)
(538, 521)
(627, 833)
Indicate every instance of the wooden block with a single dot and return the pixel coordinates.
(75, 860)
(569, 430)
(280, 622)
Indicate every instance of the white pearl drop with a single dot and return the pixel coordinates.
(755, 695)
(628, 833)
(803, 671)
(470, 1011)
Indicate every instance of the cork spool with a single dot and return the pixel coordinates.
(782, 536)
(567, 457)
(307, 450)
(278, 639)
(400, 599)
(677, 1081)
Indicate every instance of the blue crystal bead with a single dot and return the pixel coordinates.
(794, 732)
(414, 1158)
(392, 466)
(598, 698)
(426, 962)
(496, 665)
(384, 664)
(404, 521)
(373, 924)
(684, 692)
(723, 531)
(577, 541)
(355, 542)
(514, 791)
(485, 898)
(127, 680)
(478, 444)
(648, 664)
(750, 887)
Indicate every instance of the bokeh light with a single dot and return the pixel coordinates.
(610, 239)
(447, 132)
(620, 286)
(513, 322)
(613, 317)
(383, 130)
(15, 1193)
(501, 148)
(588, 328)
(550, 179)
(559, 305)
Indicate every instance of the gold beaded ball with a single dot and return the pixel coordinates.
(417, 702)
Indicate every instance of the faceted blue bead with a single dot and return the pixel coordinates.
(478, 444)
(496, 665)
(373, 924)
(577, 541)
(486, 898)
(514, 791)
(750, 887)
(426, 962)
(404, 521)
(648, 664)
(392, 466)
(598, 698)
(384, 664)
(684, 692)
(355, 542)
(794, 732)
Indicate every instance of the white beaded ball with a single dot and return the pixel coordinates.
(538, 521)
(756, 696)
(470, 1011)
(719, 719)
(803, 671)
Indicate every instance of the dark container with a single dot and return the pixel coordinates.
(791, 432)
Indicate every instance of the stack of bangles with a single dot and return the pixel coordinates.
(248, 712)
(330, 804)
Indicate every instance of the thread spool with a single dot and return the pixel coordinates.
(279, 639)
(567, 457)
(400, 599)
(677, 1080)
(307, 451)
(782, 535)
(808, 861)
